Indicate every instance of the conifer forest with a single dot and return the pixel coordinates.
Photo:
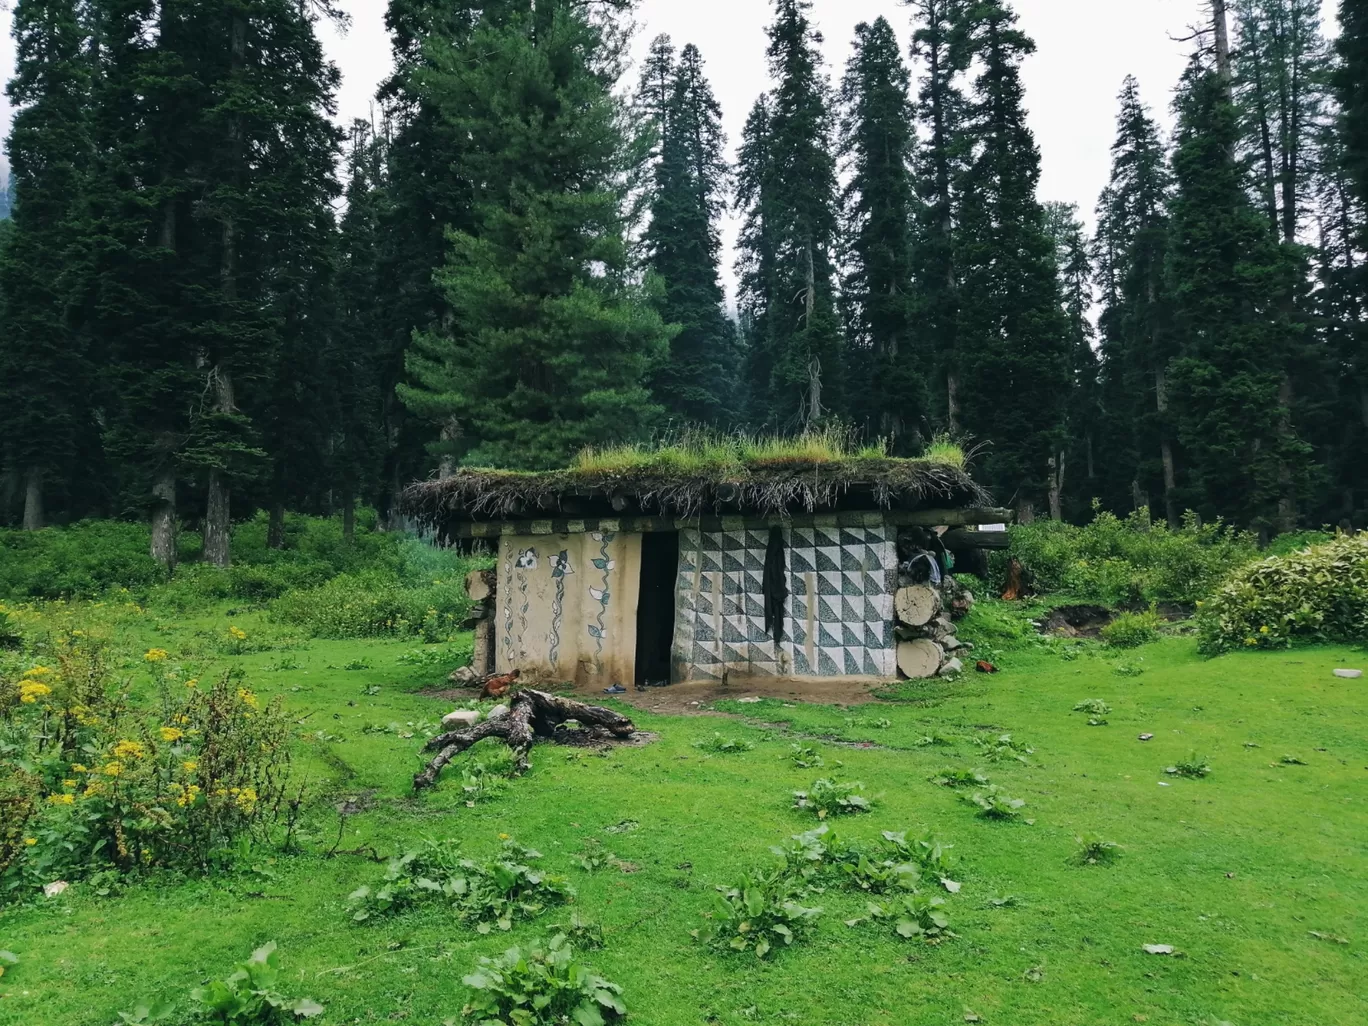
(214, 300)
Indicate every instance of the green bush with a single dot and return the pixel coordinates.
(80, 561)
(375, 604)
(1131, 630)
(1319, 594)
(1131, 562)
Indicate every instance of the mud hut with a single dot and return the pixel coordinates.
(669, 570)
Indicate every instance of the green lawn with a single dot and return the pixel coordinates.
(1235, 871)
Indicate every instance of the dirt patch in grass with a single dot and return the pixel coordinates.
(1077, 621)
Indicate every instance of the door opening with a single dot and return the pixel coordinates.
(656, 606)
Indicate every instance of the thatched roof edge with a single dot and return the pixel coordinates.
(475, 494)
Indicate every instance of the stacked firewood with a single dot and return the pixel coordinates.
(928, 642)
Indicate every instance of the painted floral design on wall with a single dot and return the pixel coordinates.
(601, 594)
(560, 570)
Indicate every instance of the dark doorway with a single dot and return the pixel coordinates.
(656, 606)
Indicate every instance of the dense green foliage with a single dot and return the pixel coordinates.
(550, 341)
(319, 581)
(1128, 562)
(528, 261)
(1317, 594)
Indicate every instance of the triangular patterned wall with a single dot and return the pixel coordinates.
(838, 618)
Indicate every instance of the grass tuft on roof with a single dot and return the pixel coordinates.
(699, 471)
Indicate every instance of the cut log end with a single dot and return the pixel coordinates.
(917, 605)
(921, 659)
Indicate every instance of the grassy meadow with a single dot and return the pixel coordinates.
(1256, 875)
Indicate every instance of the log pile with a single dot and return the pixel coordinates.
(531, 716)
(928, 641)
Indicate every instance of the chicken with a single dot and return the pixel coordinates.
(497, 687)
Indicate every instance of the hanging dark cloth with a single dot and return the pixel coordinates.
(775, 584)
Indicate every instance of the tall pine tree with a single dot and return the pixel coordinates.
(1073, 255)
(940, 110)
(1233, 287)
(425, 195)
(804, 353)
(45, 408)
(697, 383)
(1139, 457)
(549, 342)
(1012, 343)
(888, 358)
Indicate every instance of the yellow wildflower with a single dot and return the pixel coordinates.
(61, 799)
(190, 766)
(68, 783)
(504, 837)
(238, 633)
(246, 798)
(78, 768)
(30, 841)
(94, 790)
(31, 690)
(248, 698)
(193, 682)
(172, 733)
(1251, 642)
(38, 671)
(130, 750)
(112, 769)
(156, 655)
(1265, 630)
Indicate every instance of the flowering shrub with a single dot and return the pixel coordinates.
(1319, 594)
(90, 783)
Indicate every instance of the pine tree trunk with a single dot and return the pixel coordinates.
(1166, 450)
(1025, 512)
(952, 400)
(1057, 488)
(217, 521)
(1254, 45)
(1139, 500)
(349, 519)
(446, 466)
(218, 515)
(33, 499)
(164, 519)
(1287, 483)
(1221, 27)
(275, 529)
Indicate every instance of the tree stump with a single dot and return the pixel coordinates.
(917, 605)
(920, 660)
(532, 715)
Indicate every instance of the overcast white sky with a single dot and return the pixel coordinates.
(1084, 49)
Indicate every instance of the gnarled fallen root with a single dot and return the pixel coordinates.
(531, 715)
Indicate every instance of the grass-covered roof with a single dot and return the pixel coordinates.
(731, 475)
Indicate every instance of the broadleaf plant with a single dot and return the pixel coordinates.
(541, 986)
